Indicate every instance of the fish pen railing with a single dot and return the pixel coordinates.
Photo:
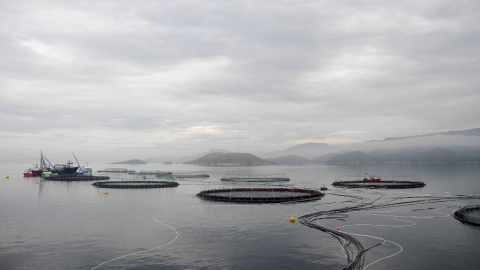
(200, 174)
(247, 177)
(465, 214)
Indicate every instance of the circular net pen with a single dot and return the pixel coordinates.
(381, 184)
(277, 177)
(469, 214)
(135, 184)
(261, 195)
(191, 175)
(76, 177)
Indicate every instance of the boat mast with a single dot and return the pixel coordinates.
(76, 160)
(43, 158)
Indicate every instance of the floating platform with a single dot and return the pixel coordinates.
(116, 170)
(468, 214)
(76, 177)
(380, 184)
(191, 175)
(278, 177)
(135, 184)
(261, 195)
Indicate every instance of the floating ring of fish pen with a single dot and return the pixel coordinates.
(278, 177)
(69, 177)
(469, 214)
(191, 175)
(143, 172)
(135, 184)
(254, 179)
(380, 184)
(261, 195)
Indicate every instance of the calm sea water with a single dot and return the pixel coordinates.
(73, 225)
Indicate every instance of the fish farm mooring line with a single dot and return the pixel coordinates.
(356, 258)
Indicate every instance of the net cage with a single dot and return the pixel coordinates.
(151, 172)
(116, 170)
(135, 184)
(247, 177)
(384, 182)
(469, 214)
(261, 194)
(381, 184)
(76, 177)
(200, 174)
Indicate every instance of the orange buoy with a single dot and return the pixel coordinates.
(338, 228)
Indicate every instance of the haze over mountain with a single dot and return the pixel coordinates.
(230, 159)
(451, 146)
(131, 161)
(306, 150)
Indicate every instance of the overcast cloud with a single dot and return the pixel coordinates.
(134, 79)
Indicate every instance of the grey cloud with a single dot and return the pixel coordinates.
(241, 74)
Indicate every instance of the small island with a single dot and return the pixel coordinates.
(131, 161)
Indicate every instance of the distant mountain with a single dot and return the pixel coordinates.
(230, 159)
(306, 150)
(190, 158)
(353, 158)
(131, 161)
(323, 158)
(467, 132)
(290, 160)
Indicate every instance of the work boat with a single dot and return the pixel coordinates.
(32, 172)
(372, 178)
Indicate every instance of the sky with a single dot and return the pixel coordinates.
(119, 79)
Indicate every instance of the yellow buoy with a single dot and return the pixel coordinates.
(105, 193)
(8, 177)
(292, 219)
(38, 182)
(447, 193)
